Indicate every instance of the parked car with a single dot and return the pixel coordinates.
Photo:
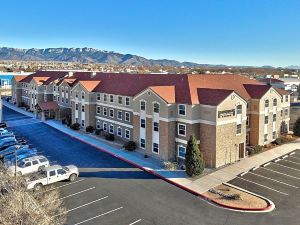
(3, 125)
(10, 141)
(21, 152)
(12, 149)
(6, 136)
(29, 165)
(52, 174)
(4, 131)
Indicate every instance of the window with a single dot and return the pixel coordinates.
(54, 88)
(62, 89)
(248, 120)
(265, 137)
(155, 148)
(111, 113)
(98, 124)
(127, 101)
(127, 116)
(120, 115)
(127, 134)
(156, 126)
(143, 105)
(62, 99)
(266, 119)
(156, 107)
(67, 100)
(266, 103)
(275, 102)
(119, 131)
(58, 98)
(143, 123)
(42, 160)
(142, 143)
(82, 108)
(52, 173)
(105, 97)
(82, 95)
(286, 112)
(120, 100)
(281, 113)
(98, 96)
(82, 123)
(104, 111)
(111, 128)
(54, 98)
(286, 98)
(35, 162)
(181, 129)
(111, 98)
(274, 117)
(76, 94)
(76, 106)
(239, 109)
(98, 109)
(274, 135)
(57, 88)
(61, 172)
(67, 91)
(181, 151)
(105, 126)
(181, 110)
(238, 128)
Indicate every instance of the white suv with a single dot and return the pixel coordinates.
(30, 165)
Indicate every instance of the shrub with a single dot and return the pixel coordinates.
(110, 137)
(130, 146)
(194, 161)
(170, 165)
(98, 131)
(75, 126)
(257, 149)
(278, 141)
(89, 129)
(296, 128)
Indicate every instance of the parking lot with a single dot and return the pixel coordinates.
(112, 192)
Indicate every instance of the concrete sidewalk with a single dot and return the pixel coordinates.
(179, 177)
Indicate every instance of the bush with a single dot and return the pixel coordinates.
(89, 129)
(98, 131)
(130, 146)
(110, 137)
(257, 149)
(75, 126)
(278, 141)
(296, 128)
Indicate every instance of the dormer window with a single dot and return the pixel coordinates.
(156, 107)
(275, 102)
(239, 109)
(143, 105)
(266, 103)
(82, 95)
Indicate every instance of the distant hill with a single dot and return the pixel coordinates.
(86, 55)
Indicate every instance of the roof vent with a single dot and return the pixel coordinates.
(93, 74)
(70, 73)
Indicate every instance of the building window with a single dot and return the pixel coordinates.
(181, 129)
(82, 95)
(98, 124)
(98, 96)
(181, 110)
(54, 88)
(67, 101)
(275, 102)
(266, 103)
(76, 106)
(111, 129)
(286, 98)
(281, 113)
(57, 88)
(248, 120)
(82, 123)
(76, 94)
(119, 131)
(105, 126)
(266, 119)
(127, 116)
(181, 151)
(143, 123)
(155, 126)
(104, 111)
(120, 100)
(127, 101)
(265, 137)
(274, 135)
(58, 98)
(143, 105)
(98, 109)
(62, 99)
(274, 117)
(105, 97)
(238, 128)
(127, 134)
(239, 109)
(155, 148)
(54, 98)
(111, 98)
(156, 107)
(120, 115)
(62, 89)
(143, 143)
(286, 112)
(67, 91)
(111, 113)
(82, 108)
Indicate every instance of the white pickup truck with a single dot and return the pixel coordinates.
(52, 174)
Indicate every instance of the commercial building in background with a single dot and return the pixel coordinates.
(159, 112)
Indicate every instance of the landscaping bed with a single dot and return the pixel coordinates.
(232, 197)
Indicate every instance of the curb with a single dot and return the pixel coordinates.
(269, 207)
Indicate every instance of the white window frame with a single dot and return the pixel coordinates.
(104, 111)
(98, 125)
(157, 148)
(180, 146)
(156, 103)
(82, 108)
(119, 118)
(142, 147)
(155, 126)
(98, 97)
(142, 101)
(127, 113)
(105, 97)
(104, 126)
(113, 129)
(127, 101)
(238, 131)
(127, 130)
(98, 110)
(82, 95)
(239, 109)
(119, 129)
(142, 119)
(113, 113)
(179, 124)
(181, 110)
(111, 98)
(120, 97)
(82, 123)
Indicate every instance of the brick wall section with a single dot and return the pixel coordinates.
(208, 143)
(167, 148)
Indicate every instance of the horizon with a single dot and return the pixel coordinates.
(249, 33)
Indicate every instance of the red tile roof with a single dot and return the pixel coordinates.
(257, 91)
(89, 85)
(281, 91)
(19, 77)
(48, 106)
(53, 75)
(167, 93)
(213, 97)
(40, 80)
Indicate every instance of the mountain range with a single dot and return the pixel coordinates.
(86, 55)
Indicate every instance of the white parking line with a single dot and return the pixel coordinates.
(79, 192)
(298, 178)
(63, 185)
(273, 180)
(292, 153)
(263, 186)
(103, 214)
(287, 167)
(291, 161)
(266, 164)
(244, 173)
(78, 207)
(277, 160)
(284, 157)
(136, 222)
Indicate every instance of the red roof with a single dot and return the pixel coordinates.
(167, 93)
(256, 91)
(281, 91)
(47, 106)
(214, 97)
(53, 75)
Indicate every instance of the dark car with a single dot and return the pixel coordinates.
(3, 125)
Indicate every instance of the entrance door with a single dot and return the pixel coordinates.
(241, 150)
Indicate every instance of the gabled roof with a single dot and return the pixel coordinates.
(19, 77)
(53, 75)
(40, 80)
(47, 105)
(69, 81)
(212, 97)
(89, 85)
(257, 91)
(281, 91)
(167, 93)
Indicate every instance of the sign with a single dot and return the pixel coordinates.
(226, 113)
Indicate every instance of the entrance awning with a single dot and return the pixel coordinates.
(44, 106)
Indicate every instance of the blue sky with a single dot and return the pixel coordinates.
(232, 32)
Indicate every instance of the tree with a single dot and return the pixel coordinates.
(296, 127)
(194, 161)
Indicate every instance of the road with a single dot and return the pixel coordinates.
(112, 192)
